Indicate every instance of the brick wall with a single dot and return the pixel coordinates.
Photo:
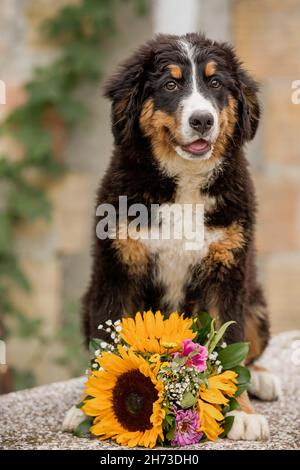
(266, 35)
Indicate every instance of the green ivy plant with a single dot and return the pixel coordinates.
(81, 30)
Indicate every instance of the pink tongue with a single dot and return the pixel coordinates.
(197, 146)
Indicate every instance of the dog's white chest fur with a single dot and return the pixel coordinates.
(174, 262)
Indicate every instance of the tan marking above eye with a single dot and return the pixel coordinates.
(175, 71)
(210, 69)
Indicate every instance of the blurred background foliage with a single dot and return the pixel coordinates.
(81, 32)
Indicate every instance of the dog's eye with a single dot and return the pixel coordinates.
(215, 83)
(170, 85)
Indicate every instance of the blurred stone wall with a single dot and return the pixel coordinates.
(266, 36)
(56, 256)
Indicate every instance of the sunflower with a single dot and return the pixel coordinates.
(211, 398)
(152, 334)
(126, 400)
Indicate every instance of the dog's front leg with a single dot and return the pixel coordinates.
(228, 300)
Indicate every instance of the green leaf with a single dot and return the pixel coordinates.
(227, 425)
(244, 374)
(240, 389)
(170, 434)
(244, 377)
(81, 403)
(84, 427)
(233, 355)
(205, 320)
(211, 334)
(170, 419)
(188, 400)
(219, 335)
(233, 404)
(94, 345)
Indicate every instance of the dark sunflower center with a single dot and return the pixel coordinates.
(134, 403)
(133, 398)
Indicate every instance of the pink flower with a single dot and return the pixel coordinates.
(186, 428)
(195, 353)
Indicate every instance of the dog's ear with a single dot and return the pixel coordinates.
(127, 89)
(248, 105)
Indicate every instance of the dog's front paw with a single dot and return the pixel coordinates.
(248, 427)
(264, 385)
(73, 418)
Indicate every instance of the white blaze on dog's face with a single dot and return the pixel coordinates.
(191, 110)
(199, 117)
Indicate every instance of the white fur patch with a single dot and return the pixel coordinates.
(174, 261)
(73, 418)
(195, 102)
(248, 427)
(264, 385)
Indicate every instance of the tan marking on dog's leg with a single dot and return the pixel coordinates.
(245, 404)
(222, 250)
(253, 337)
(134, 254)
(259, 368)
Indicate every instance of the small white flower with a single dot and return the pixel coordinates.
(100, 327)
(108, 330)
(95, 366)
(97, 352)
(218, 363)
(117, 322)
(224, 344)
(103, 344)
(118, 329)
(108, 322)
(113, 335)
(116, 340)
(220, 369)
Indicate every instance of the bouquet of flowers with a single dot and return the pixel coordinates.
(163, 381)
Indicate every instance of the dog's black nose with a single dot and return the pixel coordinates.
(201, 121)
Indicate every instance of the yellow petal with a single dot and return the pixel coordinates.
(213, 396)
(159, 324)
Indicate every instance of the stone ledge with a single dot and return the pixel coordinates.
(32, 419)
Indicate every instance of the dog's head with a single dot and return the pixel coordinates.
(187, 94)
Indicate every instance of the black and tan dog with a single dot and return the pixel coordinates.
(182, 110)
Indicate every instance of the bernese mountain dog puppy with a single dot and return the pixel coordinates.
(182, 110)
